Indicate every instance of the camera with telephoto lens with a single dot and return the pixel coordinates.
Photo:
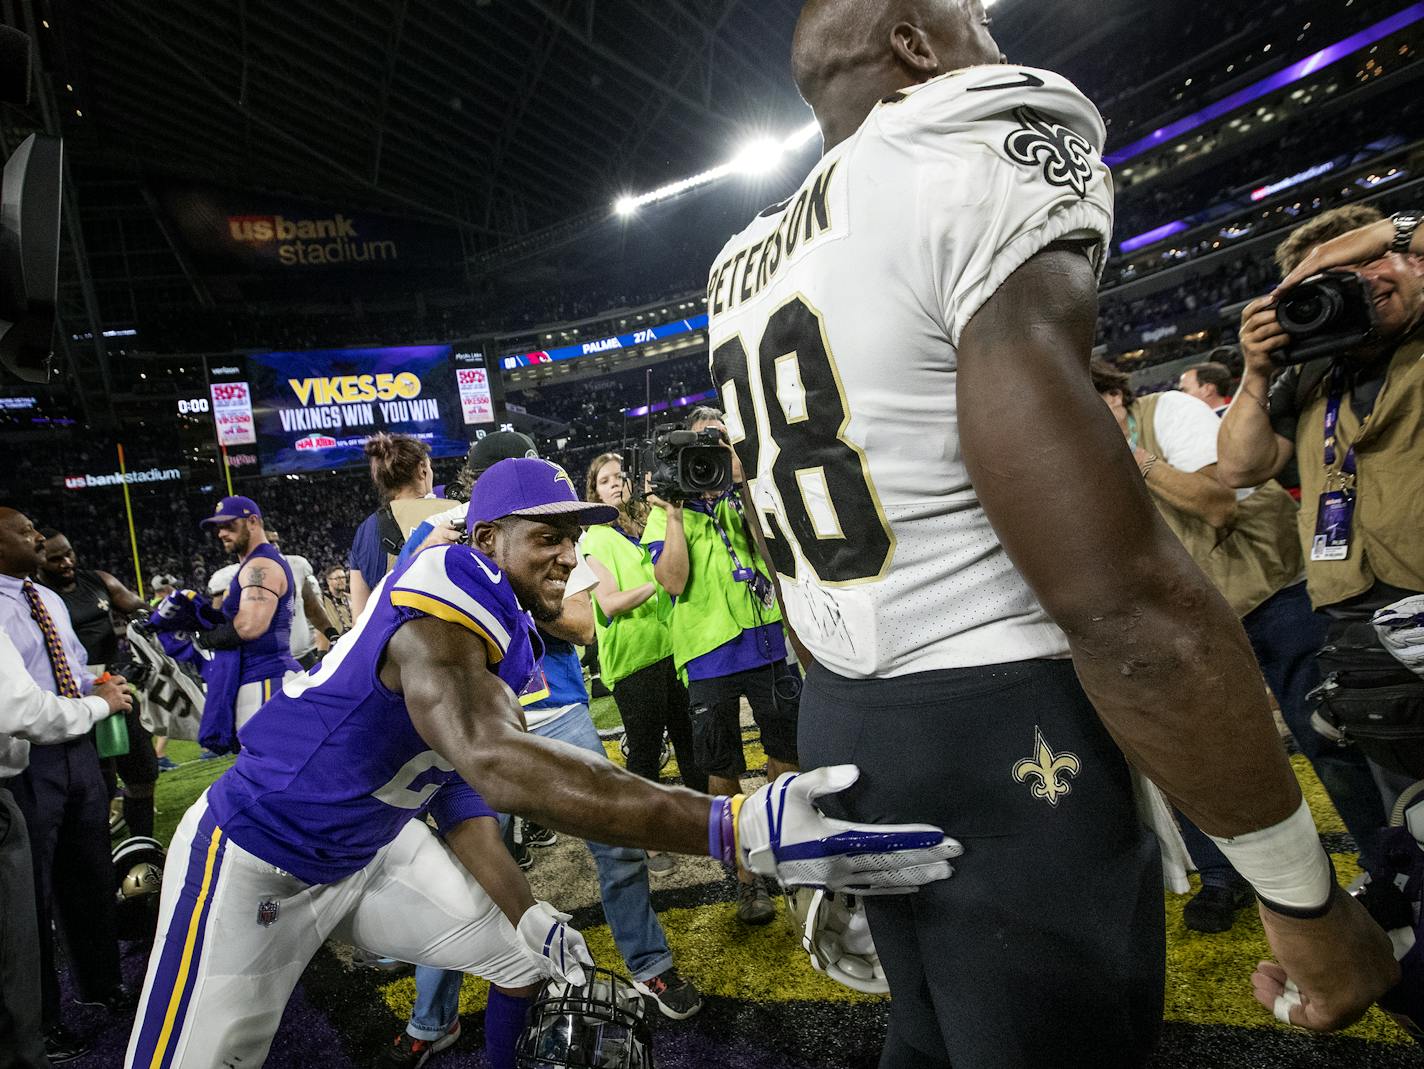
(680, 464)
(1326, 314)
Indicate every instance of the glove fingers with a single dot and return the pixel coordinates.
(828, 779)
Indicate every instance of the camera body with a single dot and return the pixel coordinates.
(679, 464)
(1326, 314)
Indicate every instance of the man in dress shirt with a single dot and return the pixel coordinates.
(30, 715)
(62, 797)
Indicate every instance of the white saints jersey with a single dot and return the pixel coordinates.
(835, 318)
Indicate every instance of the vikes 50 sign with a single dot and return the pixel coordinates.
(354, 389)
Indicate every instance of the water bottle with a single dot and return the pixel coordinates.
(111, 735)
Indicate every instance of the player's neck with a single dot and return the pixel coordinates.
(253, 549)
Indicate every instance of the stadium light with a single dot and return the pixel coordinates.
(759, 156)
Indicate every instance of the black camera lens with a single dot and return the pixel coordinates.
(1311, 307)
(703, 471)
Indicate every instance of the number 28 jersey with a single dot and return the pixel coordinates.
(834, 323)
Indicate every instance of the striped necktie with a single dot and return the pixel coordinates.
(58, 662)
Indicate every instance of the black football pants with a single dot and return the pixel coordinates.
(1046, 947)
(20, 1044)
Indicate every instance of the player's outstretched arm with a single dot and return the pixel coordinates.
(1158, 650)
(467, 714)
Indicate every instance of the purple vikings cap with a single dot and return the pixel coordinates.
(533, 488)
(232, 508)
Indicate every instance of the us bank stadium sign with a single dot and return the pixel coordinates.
(230, 231)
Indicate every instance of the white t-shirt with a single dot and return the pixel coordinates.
(303, 636)
(1186, 429)
(835, 318)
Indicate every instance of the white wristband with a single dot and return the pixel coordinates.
(1285, 863)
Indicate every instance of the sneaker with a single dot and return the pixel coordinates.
(1213, 909)
(120, 999)
(754, 905)
(208, 755)
(61, 1045)
(676, 997)
(366, 960)
(523, 856)
(661, 864)
(166, 764)
(407, 1052)
(537, 835)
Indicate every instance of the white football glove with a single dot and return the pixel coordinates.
(1401, 630)
(560, 949)
(782, 834)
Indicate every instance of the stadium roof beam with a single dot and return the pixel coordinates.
(628, 67)
(384, 104)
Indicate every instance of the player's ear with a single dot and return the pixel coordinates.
(483, 537)
(912, 48)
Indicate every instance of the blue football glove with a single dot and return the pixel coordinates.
(781, 833)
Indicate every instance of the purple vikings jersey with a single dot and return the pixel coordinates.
(332, 767)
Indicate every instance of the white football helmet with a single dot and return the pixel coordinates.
(835, 932)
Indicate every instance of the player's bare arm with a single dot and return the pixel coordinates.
(480, 848)
(468, 715)
(262, 585)
(120, 596)
(1158, 650)
(317, 615)
(575, 623)
(1199, 493)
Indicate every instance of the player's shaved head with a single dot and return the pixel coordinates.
(847, 54)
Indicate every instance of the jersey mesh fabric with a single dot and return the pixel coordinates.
(835, 354)
(332, 767)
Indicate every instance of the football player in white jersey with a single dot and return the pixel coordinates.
(902, 350)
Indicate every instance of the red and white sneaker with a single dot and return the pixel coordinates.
(407, 1052)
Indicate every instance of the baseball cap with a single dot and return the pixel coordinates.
(501, 445)
(529, 487)
(232, 508)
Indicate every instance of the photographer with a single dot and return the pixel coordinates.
(1352, 418)
(727, 640)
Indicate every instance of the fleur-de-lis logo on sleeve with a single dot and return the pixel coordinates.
(1046, 766)
(1066, 157)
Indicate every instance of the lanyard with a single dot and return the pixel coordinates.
(711, 514)
(1332, 418)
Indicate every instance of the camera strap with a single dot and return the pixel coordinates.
(1336, 513)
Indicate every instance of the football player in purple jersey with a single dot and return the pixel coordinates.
(309, 835)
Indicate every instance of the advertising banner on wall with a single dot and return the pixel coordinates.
(315, 409)
(234, 232)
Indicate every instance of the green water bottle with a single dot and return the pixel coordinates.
(111, 735)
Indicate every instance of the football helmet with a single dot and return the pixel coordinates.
(833, 929)
(664, 755)
(601, 1024)
(138, 878)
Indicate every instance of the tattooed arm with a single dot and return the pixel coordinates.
(262, 584)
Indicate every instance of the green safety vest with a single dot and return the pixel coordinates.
(639, 637)
(714, 608)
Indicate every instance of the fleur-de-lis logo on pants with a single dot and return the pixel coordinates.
(1066, 157)
(1046, 766)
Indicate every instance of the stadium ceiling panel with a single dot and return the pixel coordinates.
(505, 115)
